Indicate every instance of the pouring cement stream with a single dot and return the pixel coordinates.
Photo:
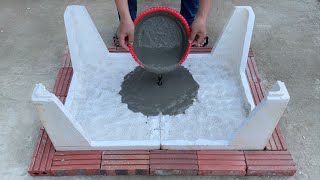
(163, 86)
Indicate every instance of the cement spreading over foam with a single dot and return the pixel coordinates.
(98, 108)
(216, 114)
(142, 93)
(160, 42)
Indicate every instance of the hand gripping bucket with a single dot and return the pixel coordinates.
(161, 40)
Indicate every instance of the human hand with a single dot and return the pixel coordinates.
(198, 32)
(126, 33)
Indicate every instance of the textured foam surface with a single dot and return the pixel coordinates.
(215, 116)
(97, 106)
(217, 113)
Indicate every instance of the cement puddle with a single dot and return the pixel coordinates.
(141, 93)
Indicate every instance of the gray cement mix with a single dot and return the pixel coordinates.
(142, 93)
(160, 42)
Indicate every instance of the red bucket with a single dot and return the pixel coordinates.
(161, 40)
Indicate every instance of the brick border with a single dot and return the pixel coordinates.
(125, 163)
(42, 157)
(73, 163)
(275, 160)
(170, 162)
(269, 163)
(221, 163)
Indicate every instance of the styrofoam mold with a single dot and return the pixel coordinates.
(223, 116)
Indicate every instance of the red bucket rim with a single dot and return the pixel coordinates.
(168, 10)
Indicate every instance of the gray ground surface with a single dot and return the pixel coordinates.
(32, 43)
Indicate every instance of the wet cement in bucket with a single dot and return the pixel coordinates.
(160, 42)
(141, 93)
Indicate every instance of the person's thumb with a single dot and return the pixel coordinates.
(122, 41)
(192, 36)
(130, 38)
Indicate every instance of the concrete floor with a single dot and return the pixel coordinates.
(32, 42)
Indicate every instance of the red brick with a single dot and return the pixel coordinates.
(42, 157)
(73, 170)
(268, 162)
(250, 54)
(66, 82)
(58, 90)
(220, 152)
(266, 157)
(252, 86)
(221, 163)
(50, 158)
(173, 152)
(173, 161)
(174, 166)
(174, 169)
(272, 143)
(63, 153)
(125, 163)
(276, 142)
(40, 152)
(57, 82)
(35, 154)
(76, 162)
(219, 157)
(281, 138)
(259, 91)
(69, 81)
(77, 157)
(76, 166)
(136, 152)
(126, 170)
(63, 81)
(255, 78)
(255, 67)
(71, 163)
(248, 153)
(271, 170)
(45, 157)
(222, 170)
(125, 157)
(173, 156)
(252, 70)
